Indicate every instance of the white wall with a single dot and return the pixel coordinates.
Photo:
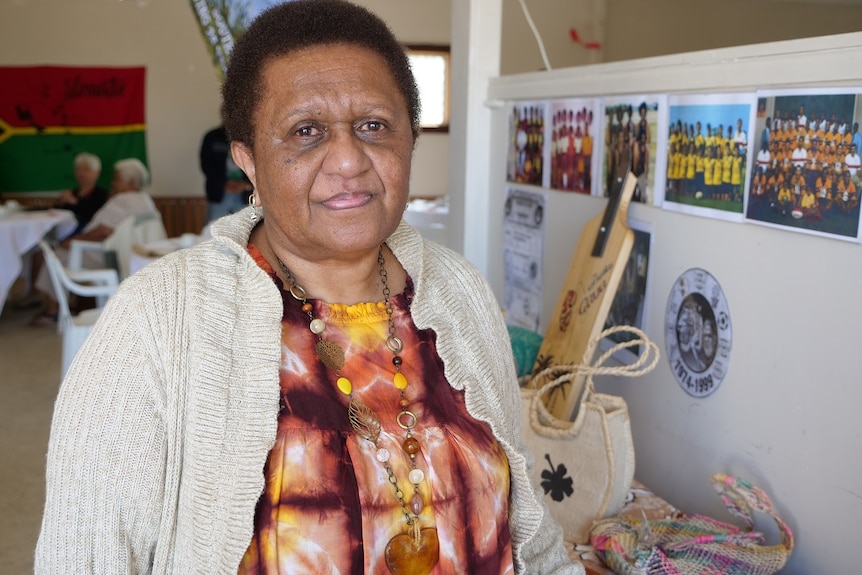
(638, 28)
(785, 416)
(182, 96)
(554, 19)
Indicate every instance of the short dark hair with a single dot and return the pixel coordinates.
(291, 26)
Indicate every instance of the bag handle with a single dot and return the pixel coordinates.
(546, 424)
(741, 497)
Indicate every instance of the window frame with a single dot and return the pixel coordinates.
(440, 51)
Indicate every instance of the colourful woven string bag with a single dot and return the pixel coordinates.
(696, 544)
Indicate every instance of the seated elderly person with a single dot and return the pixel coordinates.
(84, 200)
(88, 196)
(127, 198)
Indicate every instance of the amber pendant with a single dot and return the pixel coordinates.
(413, 554)
(330, 354)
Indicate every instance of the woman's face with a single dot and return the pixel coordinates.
(85, 176)
(121, 184)
(332, 151)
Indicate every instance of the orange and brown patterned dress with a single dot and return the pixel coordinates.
(328, 506)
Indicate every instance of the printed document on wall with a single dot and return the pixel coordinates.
(523, 244)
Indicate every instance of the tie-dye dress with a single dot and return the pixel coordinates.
(328, 505)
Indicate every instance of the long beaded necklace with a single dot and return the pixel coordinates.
(417, 550)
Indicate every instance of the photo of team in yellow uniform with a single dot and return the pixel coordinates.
(707, 155)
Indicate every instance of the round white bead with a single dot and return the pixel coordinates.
(317, 326)
(416, 476)
(382, 455)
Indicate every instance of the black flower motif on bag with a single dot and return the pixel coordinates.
(556, 481)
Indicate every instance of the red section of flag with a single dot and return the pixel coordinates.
(56, 96)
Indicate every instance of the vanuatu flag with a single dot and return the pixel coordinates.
(49, 114)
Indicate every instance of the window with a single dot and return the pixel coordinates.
(431, 69)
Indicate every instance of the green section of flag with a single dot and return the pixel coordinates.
(44, 162)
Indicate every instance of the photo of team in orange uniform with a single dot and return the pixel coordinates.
(807, 167)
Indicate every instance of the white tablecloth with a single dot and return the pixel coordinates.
(146, 254)
(20, 231)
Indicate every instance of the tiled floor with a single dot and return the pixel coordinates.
(29, 379)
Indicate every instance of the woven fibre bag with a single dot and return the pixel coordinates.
(696, 544)
(585, 467)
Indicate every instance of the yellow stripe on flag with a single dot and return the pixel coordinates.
(8, 131)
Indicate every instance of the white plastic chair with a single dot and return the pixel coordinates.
(116, 249)
(100, 283)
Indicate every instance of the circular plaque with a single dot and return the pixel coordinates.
(698, 333)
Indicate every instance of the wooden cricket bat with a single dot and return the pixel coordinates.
(600, 258)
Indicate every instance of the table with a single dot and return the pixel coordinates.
(20, 231)
(143, 255)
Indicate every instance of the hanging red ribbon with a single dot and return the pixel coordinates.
(576, 38)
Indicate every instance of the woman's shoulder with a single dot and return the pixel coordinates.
(203, 285)
(448, 265)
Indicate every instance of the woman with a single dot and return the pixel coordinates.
(85, 199)
(205, 426)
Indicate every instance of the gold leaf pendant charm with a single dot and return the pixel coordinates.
(364, 421)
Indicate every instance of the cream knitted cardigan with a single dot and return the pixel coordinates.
(163, 424)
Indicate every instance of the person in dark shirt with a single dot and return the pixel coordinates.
(88, 196)
(227, 187)
(84, 201)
